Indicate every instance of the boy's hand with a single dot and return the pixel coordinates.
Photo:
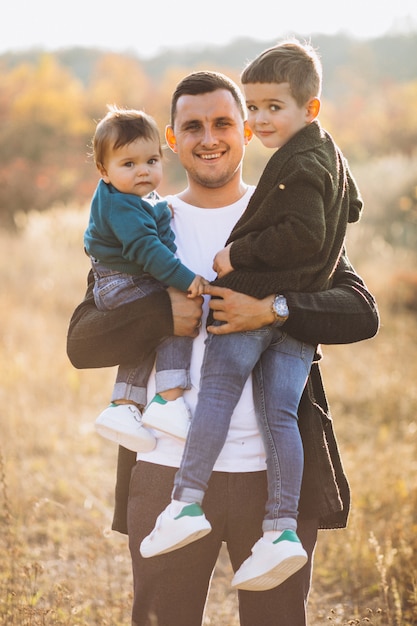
(197, 287)
(221, 263)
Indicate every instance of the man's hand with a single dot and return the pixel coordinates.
(238, 311)
(186, 313)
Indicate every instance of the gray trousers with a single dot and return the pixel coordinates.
(171, 589)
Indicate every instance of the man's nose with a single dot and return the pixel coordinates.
(209, 137)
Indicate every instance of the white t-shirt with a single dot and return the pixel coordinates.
(200, 233)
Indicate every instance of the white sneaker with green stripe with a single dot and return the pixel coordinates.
(271, 563)
(171, 417)
(171, 533)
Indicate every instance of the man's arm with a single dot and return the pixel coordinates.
(104, 339)
(346, 313)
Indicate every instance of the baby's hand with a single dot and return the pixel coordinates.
(221, 263)
(197, 287)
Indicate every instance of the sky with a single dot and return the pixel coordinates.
(149, 27)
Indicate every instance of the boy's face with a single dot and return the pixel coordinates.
(135, 168)
(274, 115)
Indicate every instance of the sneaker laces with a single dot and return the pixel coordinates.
(136, 413)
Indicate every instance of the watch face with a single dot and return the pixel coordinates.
(280, 306)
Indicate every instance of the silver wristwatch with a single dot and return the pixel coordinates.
(280, 310)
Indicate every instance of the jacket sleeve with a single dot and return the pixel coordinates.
(104, 339)
(346, 313)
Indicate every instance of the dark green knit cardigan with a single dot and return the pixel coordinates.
(292, 233)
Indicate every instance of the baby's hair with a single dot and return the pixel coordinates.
(288, 62)
(120, 127)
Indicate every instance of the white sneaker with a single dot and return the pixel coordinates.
(171, 533)
(271, 563)
(171, 417)
(122, 423)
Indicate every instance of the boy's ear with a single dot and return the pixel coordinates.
(313, 109)
(170, 137)
(103, 172)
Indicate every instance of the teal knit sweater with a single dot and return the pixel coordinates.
(130, 235)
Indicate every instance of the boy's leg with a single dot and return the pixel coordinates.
(121, 421)
(227, 363)
(173, 356)
(132, 381)
(168, 411)
(113, 289)
(279, 380)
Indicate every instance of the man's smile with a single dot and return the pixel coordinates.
(209, 157)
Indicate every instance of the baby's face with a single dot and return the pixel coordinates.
(134, 168)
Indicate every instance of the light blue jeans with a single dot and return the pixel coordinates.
(112, 289)
(281, 366)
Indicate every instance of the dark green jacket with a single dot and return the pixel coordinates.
(292, 233)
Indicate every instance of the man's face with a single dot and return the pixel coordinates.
(209, 137)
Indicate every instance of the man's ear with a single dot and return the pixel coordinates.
(313, 109)
(247, 132)
(170, 137)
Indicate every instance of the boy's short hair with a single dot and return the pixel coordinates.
(288, 62)
(120, 127)
(198, 83)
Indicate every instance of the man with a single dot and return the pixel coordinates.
(208, 132)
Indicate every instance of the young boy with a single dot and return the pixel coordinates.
(132, 250)
(289, 238)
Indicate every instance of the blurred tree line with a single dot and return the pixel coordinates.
(50, 103)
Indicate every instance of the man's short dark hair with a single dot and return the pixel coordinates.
(198, 83)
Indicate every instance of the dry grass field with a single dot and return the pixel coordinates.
(59, 561)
